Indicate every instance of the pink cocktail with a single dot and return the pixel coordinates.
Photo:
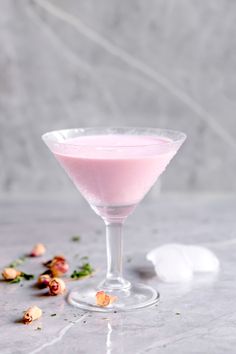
(114, 168)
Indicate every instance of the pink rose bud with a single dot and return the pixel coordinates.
(59, 267)
(56, 286)
(43, 280)
(33, 313)
(55, 259)
(38, 250)
(10, 273)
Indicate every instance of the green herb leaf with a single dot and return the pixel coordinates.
(75, 238)
(17, 262)
(20, 277)
(83, 271)
(84, 258)
(27, 276)
(16, 280)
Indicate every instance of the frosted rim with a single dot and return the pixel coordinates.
(60, 136)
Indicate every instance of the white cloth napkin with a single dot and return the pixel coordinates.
(175, 263)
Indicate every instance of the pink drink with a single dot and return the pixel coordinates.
(114, 170)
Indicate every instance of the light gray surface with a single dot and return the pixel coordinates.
(207, 312)
(163, 63)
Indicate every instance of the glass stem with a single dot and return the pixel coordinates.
(114, 240)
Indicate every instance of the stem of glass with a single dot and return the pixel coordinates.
(114, 240)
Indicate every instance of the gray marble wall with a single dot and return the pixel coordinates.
(160, 63)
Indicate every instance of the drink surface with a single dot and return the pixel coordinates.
(114, 170)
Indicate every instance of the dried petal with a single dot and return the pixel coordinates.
(43, 280)
(10, 273)
(33, 313)
(102, 299)
(38, 250)
(56, 286)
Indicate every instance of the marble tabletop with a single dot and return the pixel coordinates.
(195, 317)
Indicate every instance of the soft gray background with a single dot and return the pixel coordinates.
(160, 63)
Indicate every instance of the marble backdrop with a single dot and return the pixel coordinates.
(160, 63)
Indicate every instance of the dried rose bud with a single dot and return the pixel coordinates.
(10, 273)
(43, 280)
(59, 268)
(56, 286)
(102, 299)
(38, 250)
(59, 258)
(33, 313)
(55, 259)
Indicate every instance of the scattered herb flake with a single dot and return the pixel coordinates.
(75, 238)
(53, 314)
(177, 313)
(83, 271)
(27, 276)
(17, 262)
(38, 329)
(16, 280)
(84, 258)
(21, 277)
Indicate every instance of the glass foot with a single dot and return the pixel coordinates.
(136, 297)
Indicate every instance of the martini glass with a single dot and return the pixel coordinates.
(114, 168)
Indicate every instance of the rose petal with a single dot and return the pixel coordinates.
(102, 299)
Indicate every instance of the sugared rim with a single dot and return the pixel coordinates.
(175, 135)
